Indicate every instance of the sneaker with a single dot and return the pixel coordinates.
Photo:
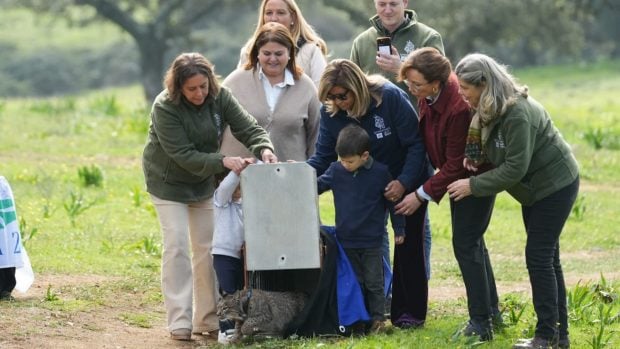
(475, 328)
(535, 343)
(226, 337)
(181, 334)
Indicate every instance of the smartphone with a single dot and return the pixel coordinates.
(384, 45)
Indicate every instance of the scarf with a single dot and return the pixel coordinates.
(477, 135)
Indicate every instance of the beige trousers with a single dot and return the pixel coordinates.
(187, 277)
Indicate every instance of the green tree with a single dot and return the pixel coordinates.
(155, 26)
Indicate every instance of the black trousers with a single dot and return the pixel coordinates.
(544, 221)
(410, 282)
(367, 263)
(470, 219)
(7, 281)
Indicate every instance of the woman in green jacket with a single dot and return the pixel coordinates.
(535, 165)
(180, 160)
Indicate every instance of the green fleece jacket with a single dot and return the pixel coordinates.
(406, 38)
(182, 151)
(531, 158)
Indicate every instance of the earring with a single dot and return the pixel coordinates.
(434, 90)
(292, 24)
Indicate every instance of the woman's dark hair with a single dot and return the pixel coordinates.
(274, 32)
(184, 67)
(429, 62)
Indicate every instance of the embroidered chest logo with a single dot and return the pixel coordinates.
(408, 48)
(218, 125)
(381, 130)
(499, 140)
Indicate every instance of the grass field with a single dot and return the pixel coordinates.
(73, 229)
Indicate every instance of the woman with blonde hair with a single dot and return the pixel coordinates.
(311, 50)
(384, 111)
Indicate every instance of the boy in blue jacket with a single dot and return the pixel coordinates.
(358, 182)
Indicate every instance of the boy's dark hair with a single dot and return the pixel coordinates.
(352, 140)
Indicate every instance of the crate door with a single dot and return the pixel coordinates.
(280, 216)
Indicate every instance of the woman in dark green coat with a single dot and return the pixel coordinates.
(180, 160)
(534, 164)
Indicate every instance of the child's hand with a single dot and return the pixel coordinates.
(399, 239)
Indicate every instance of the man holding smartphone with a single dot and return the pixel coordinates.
(393, 34)
(394, 21)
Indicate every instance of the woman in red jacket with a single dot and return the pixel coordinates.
(444, 123)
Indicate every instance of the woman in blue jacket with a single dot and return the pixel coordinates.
(384, 111)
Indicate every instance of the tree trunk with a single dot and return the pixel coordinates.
(152, 53)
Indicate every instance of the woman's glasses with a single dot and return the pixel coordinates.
(415, 85)
(338, 96)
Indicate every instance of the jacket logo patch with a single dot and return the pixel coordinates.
(408, 48)
(218, 126)
(382, 130)
(499, 141)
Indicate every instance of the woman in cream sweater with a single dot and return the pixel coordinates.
(273, 89)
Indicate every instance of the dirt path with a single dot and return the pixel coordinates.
(25, 324)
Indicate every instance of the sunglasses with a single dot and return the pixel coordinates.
(338, 96)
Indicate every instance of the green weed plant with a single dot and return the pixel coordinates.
(91, 176)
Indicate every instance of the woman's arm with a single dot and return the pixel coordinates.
(325, 152)
(312, 124)
(244, 127)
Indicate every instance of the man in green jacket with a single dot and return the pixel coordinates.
(395, 21)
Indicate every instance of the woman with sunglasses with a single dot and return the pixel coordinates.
(444, 122)
(384, 111)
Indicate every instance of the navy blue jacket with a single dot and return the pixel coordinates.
(395, 140)
(360, 204)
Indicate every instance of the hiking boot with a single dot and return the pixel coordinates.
(6, 296)
(535, 343)
(377, 326)
(480, 329)
(358, 329)
(181, 334)
(497, 320)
